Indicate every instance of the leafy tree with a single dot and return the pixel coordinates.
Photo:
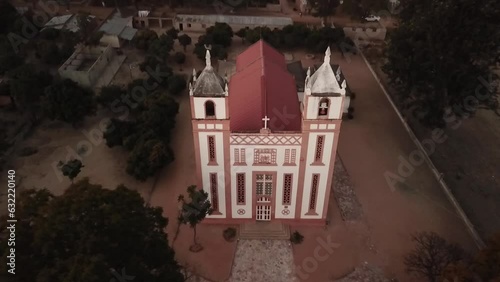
(90, 234)
(161, 47)
(176, 84)
(241, 34)
(27, 87)
(9, 17)
(159, 115)
(48, 52)
(49, 33)
(110, 94)
(437, 70)
(144, 38)
(67, 101)
(147, 137)
(71, 169)
(194, 211)
(180, 58)
(117, 131)
(148, 157)
(9, 61)
(220, 34)
(325, 8)
(184, 40)
(86, 25)
(431, 256)
(172, 32)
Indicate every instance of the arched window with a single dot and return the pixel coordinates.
(209, 109)
(324, 105)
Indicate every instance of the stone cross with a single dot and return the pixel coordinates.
(265, 119)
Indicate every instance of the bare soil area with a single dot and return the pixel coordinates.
(469, 160)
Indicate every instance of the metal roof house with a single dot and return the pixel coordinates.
(117, 31)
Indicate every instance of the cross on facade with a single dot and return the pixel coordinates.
(265, 119)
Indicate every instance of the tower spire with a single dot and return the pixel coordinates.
(207, 59)
(327, 55)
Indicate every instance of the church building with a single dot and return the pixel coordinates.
(263, 153)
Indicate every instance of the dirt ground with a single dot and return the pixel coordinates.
(469, 160)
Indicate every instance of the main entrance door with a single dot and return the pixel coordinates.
(264, 196)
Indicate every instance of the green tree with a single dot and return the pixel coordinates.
(144, 38)
(110, 94)
(86, 25)
(117, 131)
(48, 52)
(241, 34)
(67, 101)
(173, 33)
(220, 34)
(148, 157)
(90, 234)
(440, 54)
(148, 136)
(27, 88)
(176, 84)
(325, 8)
(9, 60)
(161, 47)
(71, 169)
(9, 17)
(194, 211)
(180, 58)
(184, 40)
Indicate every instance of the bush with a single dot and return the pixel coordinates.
(296, 238)
(176, 84)
(229, 234)
(27, 151)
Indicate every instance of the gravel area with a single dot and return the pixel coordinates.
(350, 208)
(262, 261)
(365, 273)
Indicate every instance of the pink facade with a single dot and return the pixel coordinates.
(261, 154)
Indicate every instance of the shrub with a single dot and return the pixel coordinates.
(296, 238)
(229, 234)
(27, 151)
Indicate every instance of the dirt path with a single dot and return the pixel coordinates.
(372, 144)
(469, 160)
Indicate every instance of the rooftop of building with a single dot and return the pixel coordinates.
(262, 88)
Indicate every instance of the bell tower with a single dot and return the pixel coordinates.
(208, 95)
(321, 119)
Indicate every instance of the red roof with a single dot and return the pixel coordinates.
(262, 86)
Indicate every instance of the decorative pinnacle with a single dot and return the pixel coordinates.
(327, 55)
(207, 60)
(226, 88)
(190, 86)
(308, 71)
(194, 74)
